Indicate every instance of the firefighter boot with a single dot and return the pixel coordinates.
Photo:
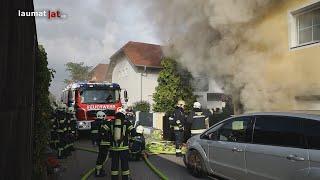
(72, 147)
(60, 153)
(99, 172)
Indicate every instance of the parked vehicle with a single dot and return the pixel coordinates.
(260, 146)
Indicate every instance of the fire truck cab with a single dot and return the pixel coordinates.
(89, 98)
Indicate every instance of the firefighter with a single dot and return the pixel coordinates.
(121, 130)
(130, 115)
(61, 117)
(104, 143)
(69, 134)
(137, 144)
(198, 120)
(73, 124)
(178, 126)
(95, 130)
(54, 138)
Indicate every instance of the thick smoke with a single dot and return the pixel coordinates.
(220, 38)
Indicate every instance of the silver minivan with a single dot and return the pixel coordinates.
(258, 146)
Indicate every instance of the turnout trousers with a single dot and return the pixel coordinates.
(94, 137)
(102, 156)
(123, 157)
(54, 139)
(61, 145)
(178, 140)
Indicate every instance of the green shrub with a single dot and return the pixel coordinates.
(142, 106)
(174, 83)
(43, 110)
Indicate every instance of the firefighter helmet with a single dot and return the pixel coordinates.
(71, 110)
(63, 107)
(140, 129)
(181, 103)
(121, 110)
(196, 105)
(120, 115)
(101, 115)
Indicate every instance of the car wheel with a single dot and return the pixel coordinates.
(196, 164)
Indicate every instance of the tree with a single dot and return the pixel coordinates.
(78, 72)
(142, 106)
(174, 83)
(43, 110)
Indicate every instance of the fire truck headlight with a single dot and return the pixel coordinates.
(81, 123)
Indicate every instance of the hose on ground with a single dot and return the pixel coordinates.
(162, 147)
(90, 171)
(149, 164)
(154, 169)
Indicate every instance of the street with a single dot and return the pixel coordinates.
(77, 165)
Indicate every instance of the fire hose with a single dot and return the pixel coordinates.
(88, 173)
(162, 147)
(145, 158)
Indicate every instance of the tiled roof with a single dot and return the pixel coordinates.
(143, 54)
(99, 72)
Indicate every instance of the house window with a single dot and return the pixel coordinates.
(308, 27)
(200, 84)
(305, 25)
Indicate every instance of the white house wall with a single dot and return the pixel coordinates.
(130, 79)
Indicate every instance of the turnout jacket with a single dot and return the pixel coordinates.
(118, 134)
(104, 133)
(179, 119)
(95, 125)
(198, 120)
(54, 122)
(62, 122)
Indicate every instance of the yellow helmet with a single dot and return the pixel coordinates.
(181, 103)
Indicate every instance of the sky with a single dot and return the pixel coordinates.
(91, 33)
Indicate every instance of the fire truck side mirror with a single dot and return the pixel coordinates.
(76, 99)
(125, 93)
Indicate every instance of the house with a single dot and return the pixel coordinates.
(293, 28)
(136, 67)
(291, 33)
(98, 74)
(207, 92)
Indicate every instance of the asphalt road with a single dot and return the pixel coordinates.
(81, 161)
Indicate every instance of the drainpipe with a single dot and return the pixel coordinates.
(144, 71)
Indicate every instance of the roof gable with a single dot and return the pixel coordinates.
(142, 54)
(99, 72)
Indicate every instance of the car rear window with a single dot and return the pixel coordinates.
(312, 133)
(278, 131)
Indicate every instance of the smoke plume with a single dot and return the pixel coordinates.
(222, 38)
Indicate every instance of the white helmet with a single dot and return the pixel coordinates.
(140, 129)
(196, 105)
(71, 110)
(121, 110)
(63, 107)
(101, 115)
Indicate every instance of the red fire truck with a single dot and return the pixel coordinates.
(89, 98)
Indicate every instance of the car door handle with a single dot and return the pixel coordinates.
(236, 150)
(295, 158)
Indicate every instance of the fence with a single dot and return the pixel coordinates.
(18, 57)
